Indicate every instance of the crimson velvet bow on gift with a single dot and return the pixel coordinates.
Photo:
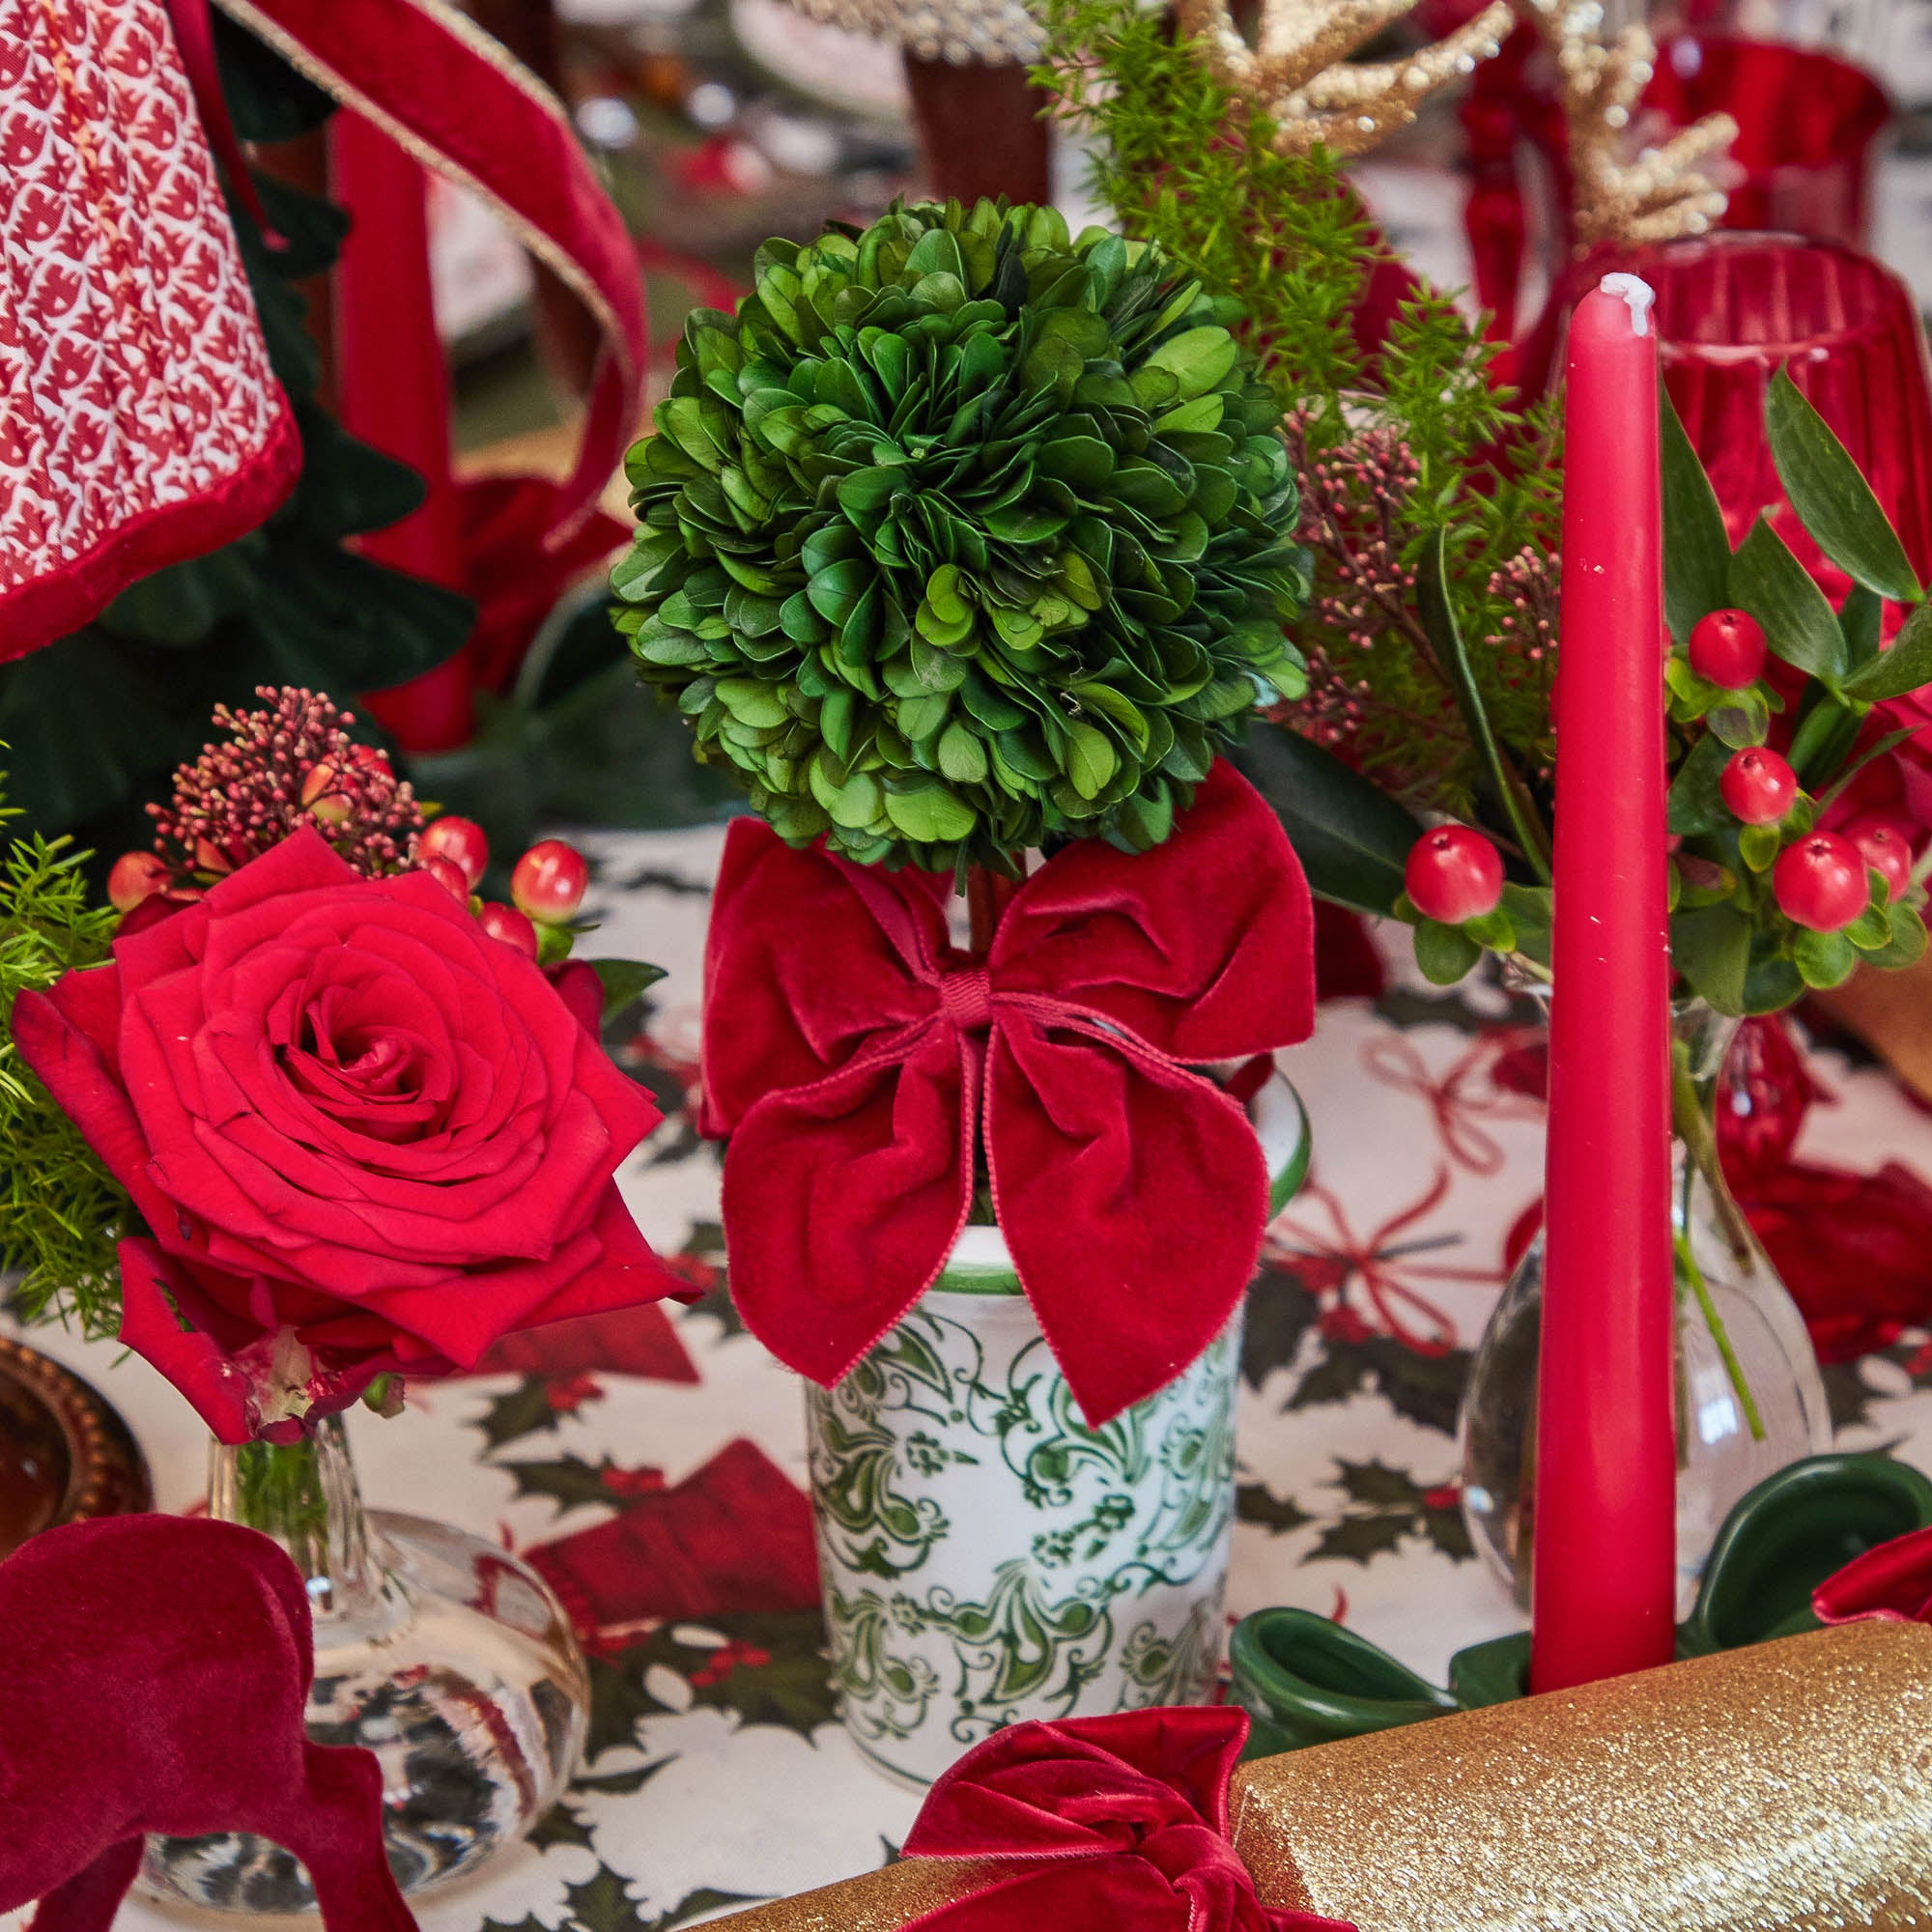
(861, 1062)
(1115, 1824)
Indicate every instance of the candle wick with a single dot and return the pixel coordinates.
(1636, 294)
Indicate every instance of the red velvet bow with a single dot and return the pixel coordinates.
(1111, 1823)
(1891, 1584)
(856, 1059)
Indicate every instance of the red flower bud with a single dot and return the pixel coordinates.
(137, 877)
(460, 839)
(323, 795)
(550, 881)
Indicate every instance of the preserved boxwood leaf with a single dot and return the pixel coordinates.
(963, 535)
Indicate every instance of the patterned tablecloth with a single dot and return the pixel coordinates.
(718, 1772)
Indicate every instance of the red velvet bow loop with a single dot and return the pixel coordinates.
(858, 1060)
(1111, 1821)
(1889, 1583)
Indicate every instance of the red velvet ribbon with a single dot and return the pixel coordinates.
(857, 1061)
(418, 73)
(1110, 1823)
(1891, 1584)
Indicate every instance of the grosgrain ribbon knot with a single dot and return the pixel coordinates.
(861, 1064)
(1110, 1823)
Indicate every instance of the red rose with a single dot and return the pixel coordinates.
(365, 1135)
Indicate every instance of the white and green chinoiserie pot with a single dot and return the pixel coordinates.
(985, 1557)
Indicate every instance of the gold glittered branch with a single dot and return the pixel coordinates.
(1298, 71)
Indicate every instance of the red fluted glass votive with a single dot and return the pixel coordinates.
(1806, 120)
(1733, 309)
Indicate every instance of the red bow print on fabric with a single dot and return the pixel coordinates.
(856, 1059)
(1111, 1821)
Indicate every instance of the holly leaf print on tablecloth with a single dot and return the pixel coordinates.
(522, 1412)
(1279, 1314)
(769, 1668)
(1425, 1389)
(1386, 1506)
(562, 1826)
(571, 1483)
(701, 1262)
(603, 1903)
(1257, 1503)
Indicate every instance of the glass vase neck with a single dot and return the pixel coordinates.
(303, 1494)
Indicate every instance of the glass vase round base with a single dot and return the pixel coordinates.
(453, 1662)
(1749, 1400)
(1719, 1457)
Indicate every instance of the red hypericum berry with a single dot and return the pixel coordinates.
(550, 881)
(137, 877)
(450, 875)
(1728, 647)
(507, 924)
(1820, 882)
(1758, 785)
(1453, 875)
(459, 838)
(1885, 846)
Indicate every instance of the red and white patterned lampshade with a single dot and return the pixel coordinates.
(139, 420)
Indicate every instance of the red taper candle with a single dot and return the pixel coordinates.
(1604, 1563)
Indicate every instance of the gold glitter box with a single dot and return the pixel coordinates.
(1786, 1787)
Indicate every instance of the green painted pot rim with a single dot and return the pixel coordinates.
(981, 1264)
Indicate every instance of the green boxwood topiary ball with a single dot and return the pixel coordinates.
(962, 537)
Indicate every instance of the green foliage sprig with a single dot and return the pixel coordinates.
(60, 1210)
(1414, 450)
(963, 536)
(1733, 940)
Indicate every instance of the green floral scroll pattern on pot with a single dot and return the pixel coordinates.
(989, 1558)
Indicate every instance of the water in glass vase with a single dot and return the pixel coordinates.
(444, 1654)
(1750, 1399)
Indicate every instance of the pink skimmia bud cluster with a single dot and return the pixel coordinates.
(290, 764)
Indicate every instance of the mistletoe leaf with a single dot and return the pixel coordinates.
(1832, 499)
(1696, 551)
(1902, 668)
(1799, 624)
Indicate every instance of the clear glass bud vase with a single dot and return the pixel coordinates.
(1749, 1395)
(442, 1653)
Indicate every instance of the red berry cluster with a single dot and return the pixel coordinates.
(1820, 880)
(547, 884)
